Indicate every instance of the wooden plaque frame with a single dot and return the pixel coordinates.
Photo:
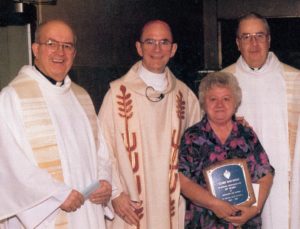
(230, 180)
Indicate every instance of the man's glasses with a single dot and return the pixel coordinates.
(55, 45)
(151, 43)
(259, 37)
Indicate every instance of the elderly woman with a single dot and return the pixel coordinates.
(219, 136)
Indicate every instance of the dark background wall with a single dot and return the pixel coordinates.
(204, 30)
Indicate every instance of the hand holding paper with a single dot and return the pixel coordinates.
(99, 195)
(98, 192)
(90, 189)
(73, 202)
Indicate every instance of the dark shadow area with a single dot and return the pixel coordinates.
(96, 80)
(9, 16)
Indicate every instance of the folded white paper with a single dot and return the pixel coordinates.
(90, 189)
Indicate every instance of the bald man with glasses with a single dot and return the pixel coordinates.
(143, 116)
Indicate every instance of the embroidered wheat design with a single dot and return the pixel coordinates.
(173, 174)
(125, 109)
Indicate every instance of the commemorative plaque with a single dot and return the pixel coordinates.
(229, 180)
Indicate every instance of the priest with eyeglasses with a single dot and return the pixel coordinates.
(143, 116)
(271, 103)
(55, 170)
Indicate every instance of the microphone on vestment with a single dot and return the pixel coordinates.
(153, 98)
(161, 96)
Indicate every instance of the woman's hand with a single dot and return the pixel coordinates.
(243, 121)
(200, 196)
(222, 209)
(246, 213)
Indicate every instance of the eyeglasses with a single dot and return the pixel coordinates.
(55, 45)
(259, 37)
(151, 43)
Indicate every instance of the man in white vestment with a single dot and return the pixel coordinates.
(271, 104)
(143, 117)
(55, 170)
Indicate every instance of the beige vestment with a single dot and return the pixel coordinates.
(144, 137)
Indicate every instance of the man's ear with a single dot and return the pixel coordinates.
(174, 49)
(35, 49)
(74, 54)
(237, 43)
(269, 40)
(139, 49)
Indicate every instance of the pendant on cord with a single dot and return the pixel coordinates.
(152, 95)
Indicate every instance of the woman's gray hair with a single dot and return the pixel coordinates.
(220, 79)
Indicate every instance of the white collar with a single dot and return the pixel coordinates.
(272, 64)
(156, 80)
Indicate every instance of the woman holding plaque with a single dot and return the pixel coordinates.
(220, 137)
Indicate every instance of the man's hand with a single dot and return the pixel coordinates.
(128, 210)
(73, 202)
(102, 194)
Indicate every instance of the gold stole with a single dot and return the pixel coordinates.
(128, 126)
(40, 132)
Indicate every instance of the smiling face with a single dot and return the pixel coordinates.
(155, 57)
(254, 52)
(219, 105)
(54, 63)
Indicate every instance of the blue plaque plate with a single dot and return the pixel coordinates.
(229, 180)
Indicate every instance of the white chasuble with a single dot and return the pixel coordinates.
(271, 105)
(67, 112)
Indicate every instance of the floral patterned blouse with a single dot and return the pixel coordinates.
(200, 148)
